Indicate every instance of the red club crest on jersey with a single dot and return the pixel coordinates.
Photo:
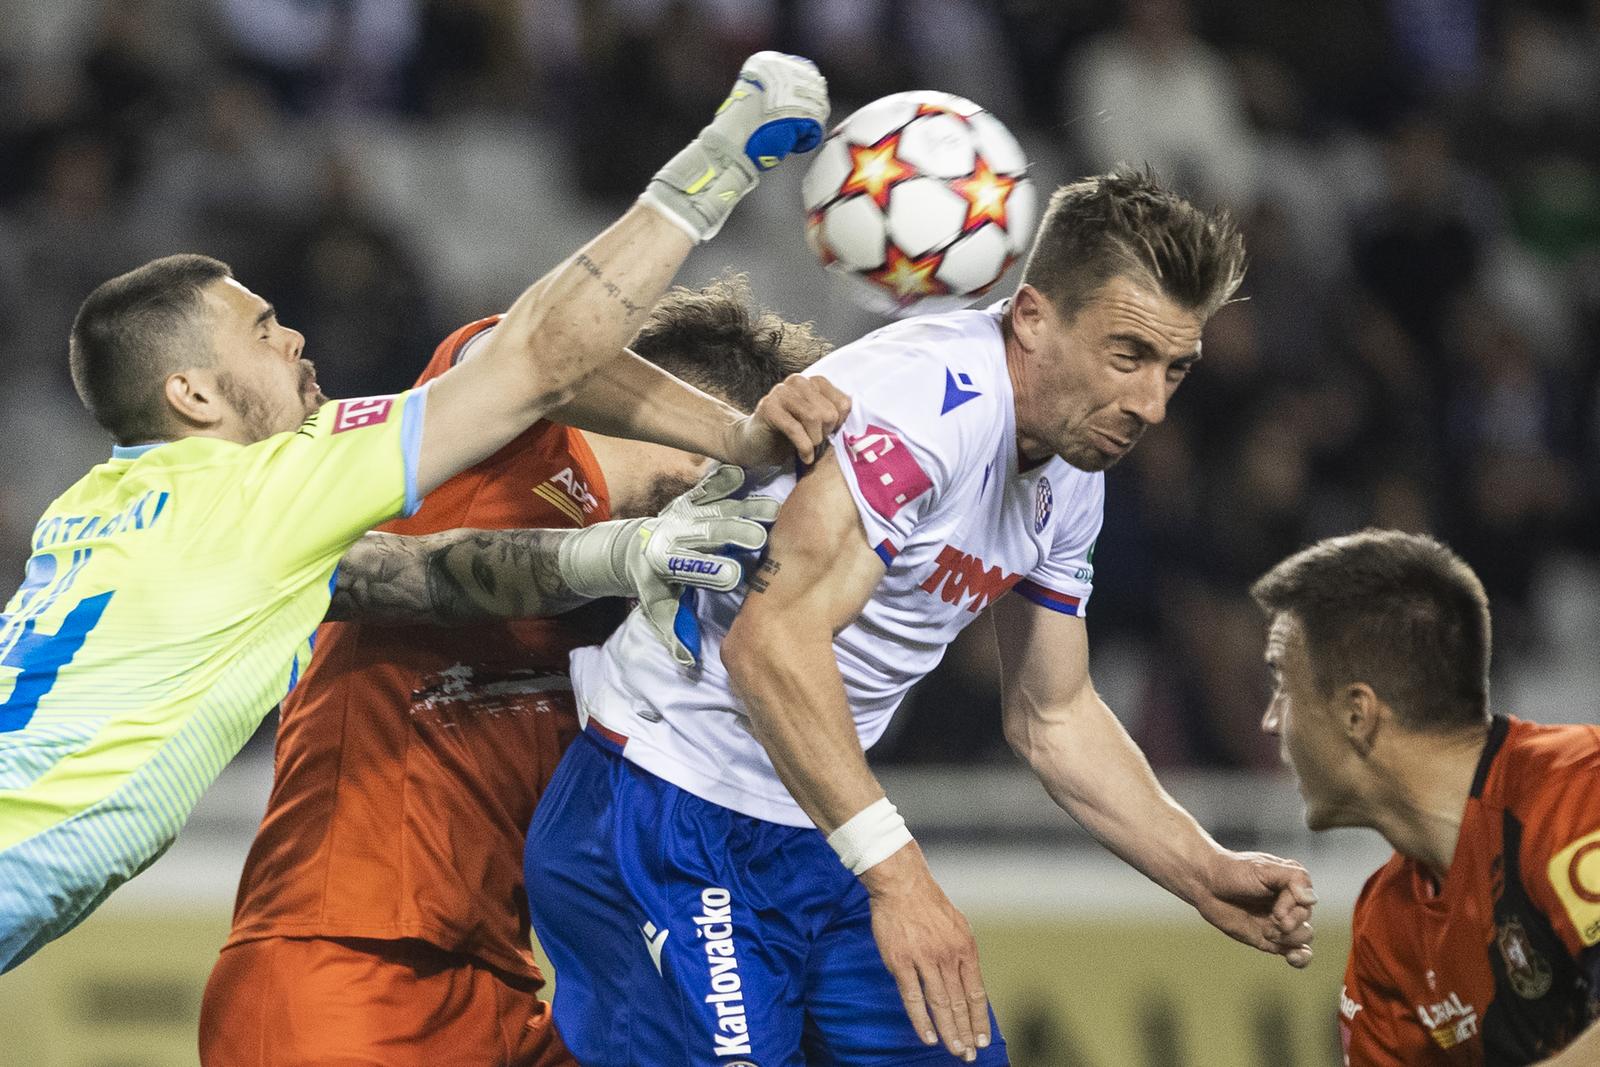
(354, 414)
(886, 471)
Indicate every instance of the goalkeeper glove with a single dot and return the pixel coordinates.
(652, 559)
(778, 106)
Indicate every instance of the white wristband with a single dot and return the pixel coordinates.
(870, 836)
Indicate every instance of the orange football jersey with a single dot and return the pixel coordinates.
(409, 759)
(1497, 965)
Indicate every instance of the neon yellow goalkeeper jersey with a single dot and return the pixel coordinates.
(167, 607)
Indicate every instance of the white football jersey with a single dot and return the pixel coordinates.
(930, 454)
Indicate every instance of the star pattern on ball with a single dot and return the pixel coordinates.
(909, 279)
(986, 194)
(876, 169)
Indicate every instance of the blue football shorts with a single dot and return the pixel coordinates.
(684, 933)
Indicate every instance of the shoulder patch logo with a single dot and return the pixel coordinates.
(1575, 876)
(887, 474)
(957, 391)
(355, 414)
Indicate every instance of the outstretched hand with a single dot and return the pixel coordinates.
(1262, 901)
(795, 419)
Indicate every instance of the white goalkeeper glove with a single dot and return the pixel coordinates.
(779, 105)
(652, 559)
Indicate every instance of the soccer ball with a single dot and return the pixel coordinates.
(922, 200)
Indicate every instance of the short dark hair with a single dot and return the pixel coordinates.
(133, 331)
(1398, 611)
(716, 339)
(1125, 223)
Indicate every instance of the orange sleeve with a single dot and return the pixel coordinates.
(1561, 844)
(545, 479)
(1376, 1028)
(450, 349)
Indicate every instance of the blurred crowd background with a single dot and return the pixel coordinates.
(1419, 182)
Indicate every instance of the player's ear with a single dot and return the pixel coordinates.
(193, 398)
(1030, 316)
(1362, 713)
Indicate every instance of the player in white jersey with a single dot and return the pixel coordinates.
(953, 518)
(694, 912)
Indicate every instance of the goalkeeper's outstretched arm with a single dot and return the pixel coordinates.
(463, 577)
(580, 315)
(453, 578)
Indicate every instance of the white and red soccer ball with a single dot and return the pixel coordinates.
(922, 199)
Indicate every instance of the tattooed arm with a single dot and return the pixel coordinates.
(454, 578)
(460, 577)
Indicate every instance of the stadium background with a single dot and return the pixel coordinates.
(1419, 181)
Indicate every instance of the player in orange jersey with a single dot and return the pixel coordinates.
(381, 916)
(1477, 942)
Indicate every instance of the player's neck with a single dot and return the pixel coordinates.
(1427, 779)
(629, 474)
(1030, 451)
(233, 433)
(210, 433)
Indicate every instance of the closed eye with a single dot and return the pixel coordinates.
(264, 321)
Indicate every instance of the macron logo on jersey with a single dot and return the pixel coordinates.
(957, 391)
(354, 414)
(956, 575)
(886, 472)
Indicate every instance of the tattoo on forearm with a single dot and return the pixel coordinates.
(762, 578)
(612, 289)
(455, 578)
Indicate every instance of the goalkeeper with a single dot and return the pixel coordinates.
(168, 601)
